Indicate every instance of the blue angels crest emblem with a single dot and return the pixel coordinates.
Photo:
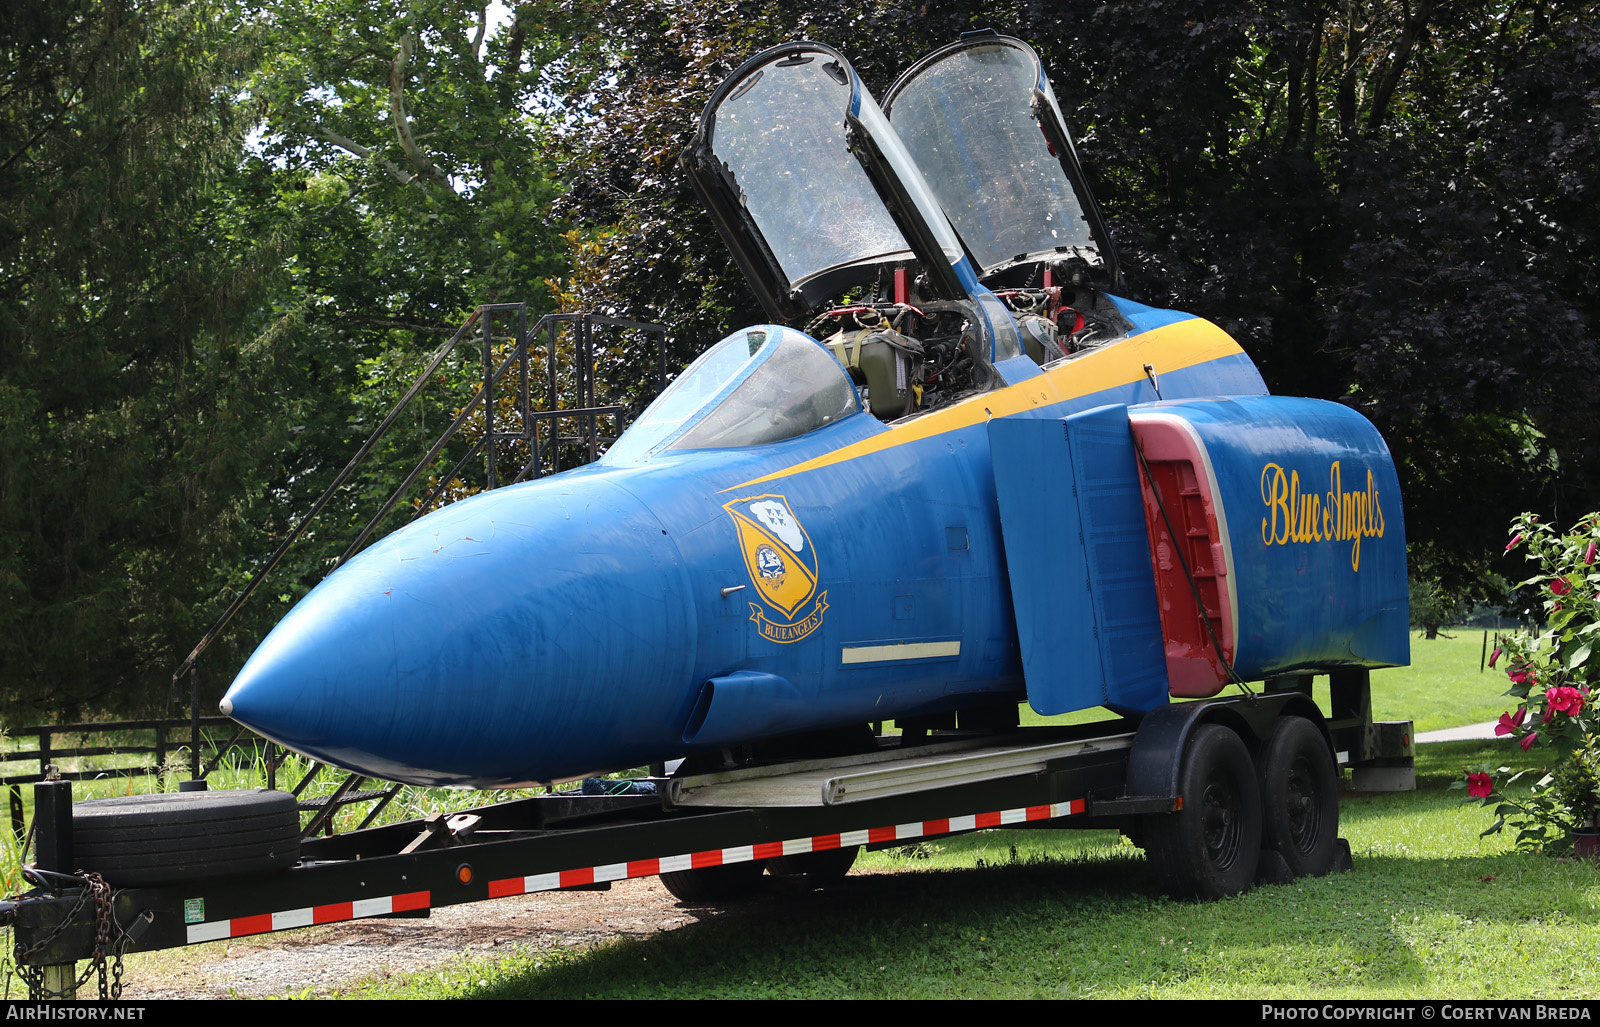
(782, 564)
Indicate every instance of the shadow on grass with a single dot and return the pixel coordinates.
(1062, 929)
(1424, 897)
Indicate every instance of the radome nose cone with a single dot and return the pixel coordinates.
(329, 671)
(502, 640)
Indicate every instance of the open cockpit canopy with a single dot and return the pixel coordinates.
(924, 289)
(983, 125)
(810, 187)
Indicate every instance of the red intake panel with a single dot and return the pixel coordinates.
(1180, 484)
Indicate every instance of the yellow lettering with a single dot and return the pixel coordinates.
(1275, 530)
(1308, 509)
(1335, 512)
(1376, 509)
(1332, 516)
(1355, 548)
(1297, 511)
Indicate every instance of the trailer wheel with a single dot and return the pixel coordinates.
(723, 883)
(1300, 798)
(1209, 848)
(825, 865)
(139, 840)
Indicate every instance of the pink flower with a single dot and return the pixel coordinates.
(1528, 740)
(1564, 699)
(1513, 543)
(1510, 722)
(1561, 586)
(1494, 655)
(1588, 554)
(1522, 674)
(1480, 786)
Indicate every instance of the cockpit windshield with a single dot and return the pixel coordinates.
(758, 385)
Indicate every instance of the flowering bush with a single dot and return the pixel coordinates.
(1552, 679)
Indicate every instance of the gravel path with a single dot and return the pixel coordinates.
(323, 960)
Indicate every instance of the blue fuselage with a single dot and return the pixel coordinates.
(558, 628)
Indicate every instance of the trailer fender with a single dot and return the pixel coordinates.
(1156, 760)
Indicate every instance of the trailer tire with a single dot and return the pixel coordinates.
(725, 883)
(1300, 798)
(143, 840)
(1209, 849)
(819, 866)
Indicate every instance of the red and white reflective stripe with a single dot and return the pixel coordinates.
(332, 913)
(336, 912)
(766, 850)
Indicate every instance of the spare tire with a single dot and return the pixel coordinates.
(138, 840)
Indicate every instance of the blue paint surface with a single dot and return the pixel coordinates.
(1146, 318)
(1312, 503)
(1079, 555)
(554, 629)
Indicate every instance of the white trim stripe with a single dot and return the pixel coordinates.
(292, 918)
(208, 932)
(898, 651)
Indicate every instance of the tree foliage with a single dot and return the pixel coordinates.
(1388, 203)
(402, 156)
(128, 421)
(232, 231)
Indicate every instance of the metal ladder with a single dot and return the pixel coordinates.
(536, 431)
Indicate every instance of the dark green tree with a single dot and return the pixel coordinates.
(235, 230)
(130, 409)
(1388, 203)
(1432, 608)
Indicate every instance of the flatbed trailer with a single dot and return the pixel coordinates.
(709, 834)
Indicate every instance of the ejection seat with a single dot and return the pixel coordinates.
(887, 363)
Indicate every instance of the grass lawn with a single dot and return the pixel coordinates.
(1430, 911)
(1443, 687)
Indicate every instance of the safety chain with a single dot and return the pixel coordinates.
(97, 890)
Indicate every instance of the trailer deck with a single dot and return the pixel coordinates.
(1091, 776)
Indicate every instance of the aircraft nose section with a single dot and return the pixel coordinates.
(334, 661)
(534, 633)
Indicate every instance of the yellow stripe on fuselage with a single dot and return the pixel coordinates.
(1169, 348)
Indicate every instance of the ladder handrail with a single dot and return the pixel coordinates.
(339, 479)
(530, 419)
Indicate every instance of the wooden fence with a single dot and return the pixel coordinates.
(144, 748)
